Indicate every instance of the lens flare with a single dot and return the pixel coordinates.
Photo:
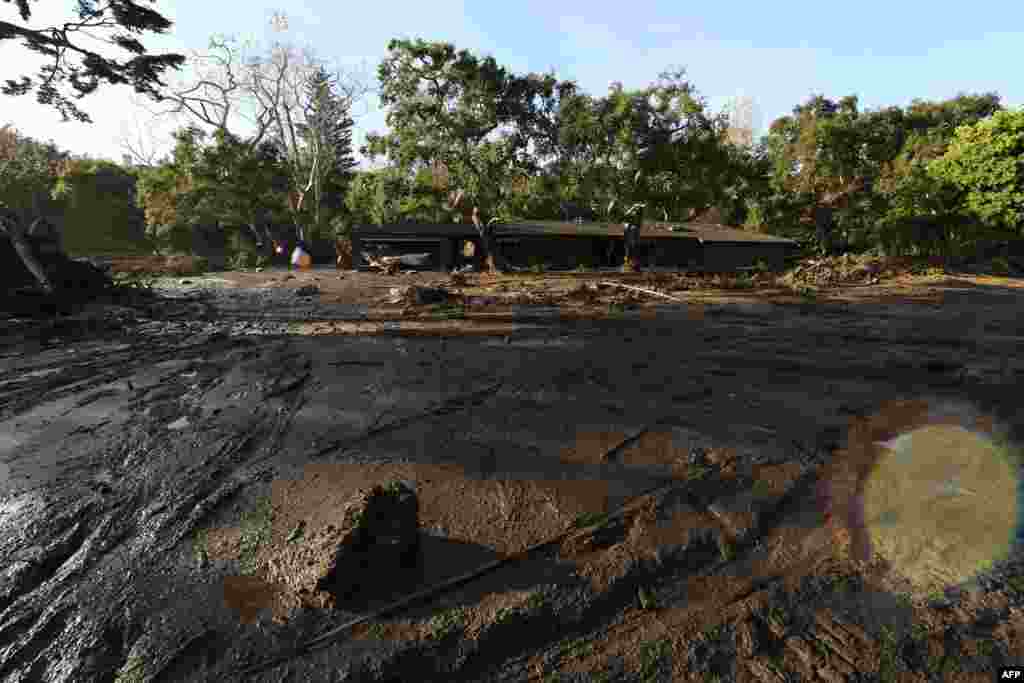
(941, 503)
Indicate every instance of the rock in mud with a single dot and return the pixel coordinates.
(375, 546)
(418, 295)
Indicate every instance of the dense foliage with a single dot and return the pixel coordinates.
(469, 140)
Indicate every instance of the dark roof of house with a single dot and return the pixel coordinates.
(702, 232)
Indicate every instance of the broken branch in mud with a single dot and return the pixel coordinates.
(641, 289)
(287, 387)
(389, 609)
(608, 455)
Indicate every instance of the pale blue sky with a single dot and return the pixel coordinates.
(777, 53)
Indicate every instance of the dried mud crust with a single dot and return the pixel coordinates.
(840, 279)
(727, 568)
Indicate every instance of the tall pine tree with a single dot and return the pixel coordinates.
(327, 133)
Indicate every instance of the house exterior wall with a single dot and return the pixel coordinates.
(571, 251)
(677, 253)
(555, 251)
(724, 257)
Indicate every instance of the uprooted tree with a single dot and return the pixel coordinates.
(470, 114)
(122, 21)
(28, 170)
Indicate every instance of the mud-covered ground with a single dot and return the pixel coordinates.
(648, 469)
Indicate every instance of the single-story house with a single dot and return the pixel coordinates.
(556, 244)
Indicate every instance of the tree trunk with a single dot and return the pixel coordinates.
(494, 259)
(11, 225)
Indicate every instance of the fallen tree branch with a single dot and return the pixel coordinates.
(630, 440)
(431, 591)
(447, 406)
(641, 289)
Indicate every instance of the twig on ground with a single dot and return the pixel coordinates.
(437, 589)
(630, 440)
(446, 406)
(645, 291)
(287, 386)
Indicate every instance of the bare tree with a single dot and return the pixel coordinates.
(279, 85)
(220, 97)
(138, 140)
(233, 88)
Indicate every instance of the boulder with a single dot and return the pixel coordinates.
(375, 545)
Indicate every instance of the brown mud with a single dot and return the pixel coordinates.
(639, 478)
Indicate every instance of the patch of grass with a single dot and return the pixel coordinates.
(588, 519)
(536, 600)
(376, 630)
(646, 599)
(133, 671)
(807, 293)
(776, 664)
(841, 584)
(743, 281)
(255, 532)
(886, 655)
(727, 550)
(446, 623)
(577, 648)
(905, 600)
(1016, 583)
(505, 614)
(715, 633)
(140, 282)
(776, 615)
(653, 659)
(919, 633)
(986, 648)
(449, 311)
(819, 648)
(200, 545)
(698, 472)
(615, 308)
(762, 488)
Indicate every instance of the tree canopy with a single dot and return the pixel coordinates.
(122, 21)
(985, 160)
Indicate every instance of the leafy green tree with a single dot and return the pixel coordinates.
(469, 114)
(122, 21)
(216, 186)
(852, 176)
(985, 160)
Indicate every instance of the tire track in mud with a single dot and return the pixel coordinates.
(46, 631)
(44, 635)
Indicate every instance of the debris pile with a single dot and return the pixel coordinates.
(839, 270)
(390, 265)
(413, 295)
